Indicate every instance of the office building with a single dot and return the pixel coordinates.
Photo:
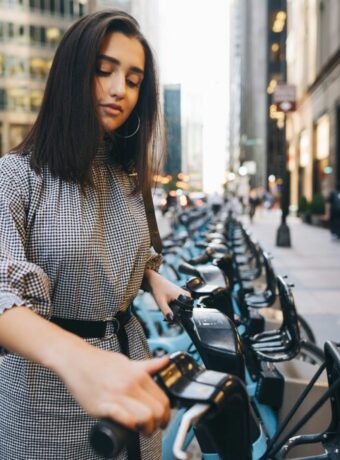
(30, 31)
(313, 134)
(172, 115)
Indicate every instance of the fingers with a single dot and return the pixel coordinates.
(159, 402)
(152, 394)
(151, 366)
(185, 292)
(165, 309)
(118, 411)
(133, 414)
(160, 408)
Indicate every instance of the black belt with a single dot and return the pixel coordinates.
(93, 329)
(97, 329)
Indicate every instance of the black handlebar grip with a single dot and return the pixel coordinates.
(188, 269)
(108, 438)
(204, 258)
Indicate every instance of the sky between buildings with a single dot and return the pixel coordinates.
(194, 52)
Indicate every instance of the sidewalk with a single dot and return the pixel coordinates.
(312, 264)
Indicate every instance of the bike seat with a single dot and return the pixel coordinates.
(281, 344)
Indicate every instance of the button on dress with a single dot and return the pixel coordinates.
(73, 255)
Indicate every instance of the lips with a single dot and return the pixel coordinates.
(113, 107)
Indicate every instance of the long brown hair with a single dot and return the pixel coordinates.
(66, 133)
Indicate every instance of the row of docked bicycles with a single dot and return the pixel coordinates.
(245, 375)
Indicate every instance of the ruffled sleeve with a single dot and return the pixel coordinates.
(22, 283)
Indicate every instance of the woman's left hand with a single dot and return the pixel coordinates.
(163, 291)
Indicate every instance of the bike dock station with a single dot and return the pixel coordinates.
(245, 376)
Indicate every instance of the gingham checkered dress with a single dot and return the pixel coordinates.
(74, 256)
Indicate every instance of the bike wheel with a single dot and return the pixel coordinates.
(306, 332)
(311, 353)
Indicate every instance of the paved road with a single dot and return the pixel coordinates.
(312, 264)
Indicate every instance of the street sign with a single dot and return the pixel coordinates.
(284, 98)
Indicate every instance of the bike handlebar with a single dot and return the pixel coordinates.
(202, 259)
(108, 438)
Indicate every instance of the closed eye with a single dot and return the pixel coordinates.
(132, 84)
(103, 73)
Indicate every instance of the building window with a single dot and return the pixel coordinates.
(39, 68)
(42, 35)
(17, 134)
(2, 99)
(53, 35)
(305, 149)
(33, 33)
(2, 65)
(16, 67)
(71, 7)
(10, 29)
(36, 98)
(81, 9)
(321, 162)
(18, 99)
(322, 137)
(275, 52)
(22, 35)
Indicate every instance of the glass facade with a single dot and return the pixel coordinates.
(63, 8)
(172, 114)
(27, 45)
(22, 68)
(32, 35)
(17, 133)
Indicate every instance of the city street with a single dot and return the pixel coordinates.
(312, 265)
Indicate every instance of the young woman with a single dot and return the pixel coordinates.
(75, 249)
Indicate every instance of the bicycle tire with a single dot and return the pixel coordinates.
(311, 353)
(306, 331)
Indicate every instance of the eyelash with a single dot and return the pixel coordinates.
(130, 83)
(102, 73)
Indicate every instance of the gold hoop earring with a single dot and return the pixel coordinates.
(135, 131)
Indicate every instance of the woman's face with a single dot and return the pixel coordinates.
(119, 74)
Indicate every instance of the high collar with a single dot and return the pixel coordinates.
(103, 153)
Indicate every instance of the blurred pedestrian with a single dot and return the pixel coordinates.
(333, 212)
(75, 250)
(253, 201)
(216, 202)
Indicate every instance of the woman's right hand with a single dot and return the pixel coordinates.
(104, 383)
(108, 384)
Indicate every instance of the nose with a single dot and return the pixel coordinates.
(117, 85)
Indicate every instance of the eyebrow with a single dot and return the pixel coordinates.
(112, 60)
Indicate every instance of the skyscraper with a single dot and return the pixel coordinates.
(248, 100)
(172, 114)
(30, 31)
